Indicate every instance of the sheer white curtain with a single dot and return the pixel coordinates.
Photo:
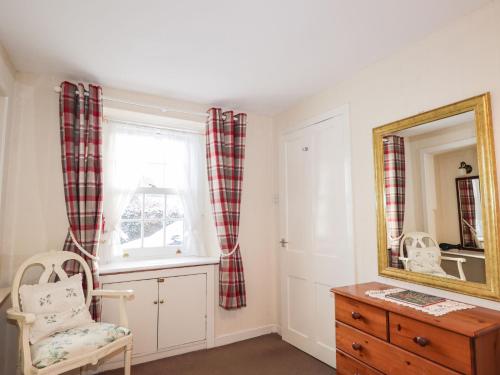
(127, 151)
(191, 185)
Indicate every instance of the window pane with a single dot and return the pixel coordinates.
(175, 210)
(154, 206)
(174, 232)
(153, 233)
(133, 210)
(130, 236)
(152, 174)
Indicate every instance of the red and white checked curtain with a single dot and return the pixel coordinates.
(468, 210)
(225, 138)
(80, 128)
(394, 172)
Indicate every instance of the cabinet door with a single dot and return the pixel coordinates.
(142, 313)
(182, 315)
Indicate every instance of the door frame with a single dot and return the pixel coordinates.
(314, 121)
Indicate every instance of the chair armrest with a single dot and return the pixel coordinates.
(458, 260)
(113, 293)
(24, 321)
(405, 262)
(122, 295)
(21, 317)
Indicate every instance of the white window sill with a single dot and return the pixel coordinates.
(155, 264)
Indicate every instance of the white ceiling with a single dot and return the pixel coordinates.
(257, 55)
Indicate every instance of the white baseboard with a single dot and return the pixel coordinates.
(246, 334)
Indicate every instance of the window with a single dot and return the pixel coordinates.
(157, 181)
(153, 219)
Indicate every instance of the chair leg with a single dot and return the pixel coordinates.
(128, 359)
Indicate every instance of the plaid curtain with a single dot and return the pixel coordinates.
(394, 168)
(468, 210)
(80, 127)
(225, 137)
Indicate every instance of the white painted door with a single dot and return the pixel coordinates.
(316, 229)
(182, 310)
(142, 312)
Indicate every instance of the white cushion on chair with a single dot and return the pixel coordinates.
(49, 323)
(73, 342)
(425, 260)
(57, 306)
(52, 297)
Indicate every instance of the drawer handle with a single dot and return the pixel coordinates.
(356, 315)
(422, 341)
(356, 346)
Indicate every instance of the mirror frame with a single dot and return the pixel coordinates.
(487, 174)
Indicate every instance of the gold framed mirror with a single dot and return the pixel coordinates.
(437, 205)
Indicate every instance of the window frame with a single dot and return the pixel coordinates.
(152, 252)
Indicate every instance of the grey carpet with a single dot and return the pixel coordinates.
(265, 355)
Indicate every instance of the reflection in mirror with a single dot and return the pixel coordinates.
(433, 201)
(470, 218)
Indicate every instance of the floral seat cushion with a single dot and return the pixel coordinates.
(73, 342)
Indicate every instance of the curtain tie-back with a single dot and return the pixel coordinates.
(396, 238)
(231, 252)
(80, 247)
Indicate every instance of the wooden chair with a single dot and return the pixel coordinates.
(422, 244)
(52, 262)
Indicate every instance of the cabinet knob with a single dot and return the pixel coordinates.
(356, 315)
(162, 301)
(422, 341)
(356, 346)
(155, 302)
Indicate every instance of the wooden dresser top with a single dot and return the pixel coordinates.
(471, 322)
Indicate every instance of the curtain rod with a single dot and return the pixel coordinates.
(150, 106)
(154, 126)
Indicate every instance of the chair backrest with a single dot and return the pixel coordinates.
(52, 262)
(416, 240)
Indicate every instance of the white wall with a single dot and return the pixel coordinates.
(457, 62)
(36, 211)
(7, 81)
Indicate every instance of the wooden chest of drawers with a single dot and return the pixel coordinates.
(378, 337)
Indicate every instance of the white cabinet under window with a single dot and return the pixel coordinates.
(182, 310)
(172, 311)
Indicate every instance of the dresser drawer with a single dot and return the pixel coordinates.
(384, 357)
(347, 365)
(362, 316)
(448, 348)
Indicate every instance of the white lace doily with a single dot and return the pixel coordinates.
(438, 309)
